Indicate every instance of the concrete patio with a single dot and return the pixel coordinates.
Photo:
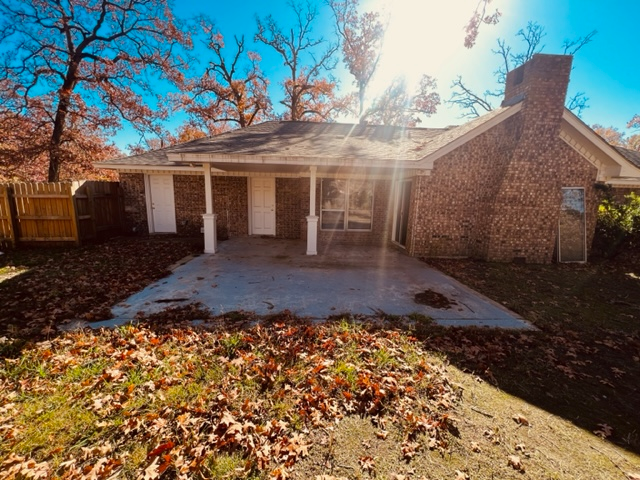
(267, 275)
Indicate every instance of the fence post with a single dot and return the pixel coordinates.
(6, 218)
(119, 194)
(74, 215)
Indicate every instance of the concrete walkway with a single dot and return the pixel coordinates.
(266, 275)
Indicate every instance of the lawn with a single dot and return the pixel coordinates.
(280, 397)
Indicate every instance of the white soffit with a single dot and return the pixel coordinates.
(609, 162)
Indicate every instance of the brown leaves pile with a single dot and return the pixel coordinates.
(82, 283)
(191, 395)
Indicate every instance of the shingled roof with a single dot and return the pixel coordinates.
(337, 141)
(311, 139)
(301, 139)
(632, 155)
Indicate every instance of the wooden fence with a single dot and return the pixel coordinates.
(7, 235)
(58, 212)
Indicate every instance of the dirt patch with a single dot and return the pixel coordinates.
(434, 299)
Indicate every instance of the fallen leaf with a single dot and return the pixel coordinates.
(151, 472)
(516, 463)
(160, 449)
(409, 449)
(605, 431)
(521, 419)
(367, 464)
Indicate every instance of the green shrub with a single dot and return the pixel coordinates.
(618, 225)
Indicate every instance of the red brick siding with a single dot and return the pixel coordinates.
(231, 203)
(190, 203)
(288, 207)
(498, 196)
(618, 193)
(524, 224)
(135, 203)
(450, 209)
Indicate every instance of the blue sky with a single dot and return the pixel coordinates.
(426, 36)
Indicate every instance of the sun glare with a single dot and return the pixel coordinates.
(423, 37)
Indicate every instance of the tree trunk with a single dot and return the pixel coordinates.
(59, 124)
(55, 153)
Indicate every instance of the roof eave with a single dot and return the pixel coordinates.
(623, 182)
(627, 168)
(131, 166)
(231, 159)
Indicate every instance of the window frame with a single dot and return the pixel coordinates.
(345, 210)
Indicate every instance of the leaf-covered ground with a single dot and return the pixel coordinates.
(191, 403)
(385, 397)
(281, 399)
(42, 288)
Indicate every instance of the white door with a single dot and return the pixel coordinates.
(162, 203)
(263, 206)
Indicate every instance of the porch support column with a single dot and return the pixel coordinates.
(312, 219)
(209, 218)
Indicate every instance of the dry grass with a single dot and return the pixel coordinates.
(549, 447)
(349, 401)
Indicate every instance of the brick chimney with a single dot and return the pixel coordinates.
(524, 222)
(542, 81)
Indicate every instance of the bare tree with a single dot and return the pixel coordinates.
(361, 37)
(87, 60)
(473, 104)
(232, 90)
(401, 107)
(309, 91)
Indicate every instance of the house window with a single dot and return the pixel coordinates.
(346, 204)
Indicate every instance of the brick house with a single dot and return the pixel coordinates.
(521, 183)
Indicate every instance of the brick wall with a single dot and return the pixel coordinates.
(190, 203)
(524, 222)
(498, 196)
(450, 209)
(288, 207)
(618, 193)
(231, 203)
(135, 204)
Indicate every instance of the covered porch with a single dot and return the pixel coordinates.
(360, 212)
